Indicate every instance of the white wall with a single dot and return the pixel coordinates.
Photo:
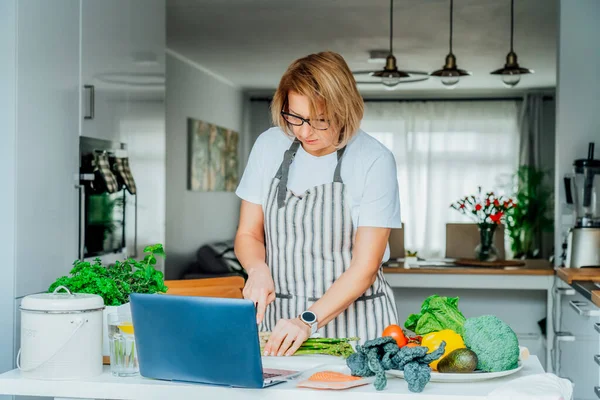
(578, 96)
(8, 78)
(195, 218)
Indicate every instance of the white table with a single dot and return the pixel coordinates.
(107, 386)
(453, 278)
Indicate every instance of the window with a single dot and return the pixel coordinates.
(444, 151)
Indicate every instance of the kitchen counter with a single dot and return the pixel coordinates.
(531, 267)
(106, 386)
(585, 281)
(534, 275)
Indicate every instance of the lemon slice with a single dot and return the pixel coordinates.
(126, 328)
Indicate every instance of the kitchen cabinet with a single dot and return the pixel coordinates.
(119, 47)
(47, 99)
(579, 343)
(53, 49)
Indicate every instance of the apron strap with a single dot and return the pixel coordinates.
(284, 172)
(337, 176)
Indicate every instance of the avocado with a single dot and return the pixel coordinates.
(458, 361)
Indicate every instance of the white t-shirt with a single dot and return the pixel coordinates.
(368, 171)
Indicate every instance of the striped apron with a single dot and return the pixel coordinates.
(309, 242)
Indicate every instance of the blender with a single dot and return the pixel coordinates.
(582, 190)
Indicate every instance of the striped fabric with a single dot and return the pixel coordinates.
(309, 241)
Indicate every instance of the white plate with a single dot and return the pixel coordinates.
(471, 377)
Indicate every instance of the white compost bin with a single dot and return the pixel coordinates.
(61, 335)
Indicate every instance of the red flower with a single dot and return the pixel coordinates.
(478, 207)
(496, 203)
(496, 217)
(462, 205)
(487, 202)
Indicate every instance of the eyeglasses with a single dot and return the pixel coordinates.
(319, 124)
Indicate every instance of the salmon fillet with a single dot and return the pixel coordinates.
(331, 376)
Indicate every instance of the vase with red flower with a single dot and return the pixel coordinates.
(488, 212)
(485, 250)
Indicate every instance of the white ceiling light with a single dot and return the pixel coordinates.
(390, 76)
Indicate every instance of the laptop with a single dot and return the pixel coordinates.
(200, 339)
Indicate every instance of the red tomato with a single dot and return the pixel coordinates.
(412, 344)
(397, 333)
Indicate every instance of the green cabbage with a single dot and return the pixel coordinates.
(437, 313)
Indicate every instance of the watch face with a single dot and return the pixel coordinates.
(309, 317)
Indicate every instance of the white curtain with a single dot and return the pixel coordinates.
(444, 151)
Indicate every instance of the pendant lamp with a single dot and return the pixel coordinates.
(511, 73)
(390, 76)
(450, 74)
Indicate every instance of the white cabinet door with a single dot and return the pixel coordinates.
(106, 61)
(47, 142)
(577, 364)
(572, 321)
(577, 357)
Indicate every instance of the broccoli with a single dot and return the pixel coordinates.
(379, 355)
(494, 342)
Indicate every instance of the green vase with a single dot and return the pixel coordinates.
(485, 250)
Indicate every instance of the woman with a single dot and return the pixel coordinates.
(319, 197)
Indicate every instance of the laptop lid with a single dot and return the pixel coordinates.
(197, 339)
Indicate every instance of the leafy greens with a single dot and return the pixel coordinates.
(437, 313)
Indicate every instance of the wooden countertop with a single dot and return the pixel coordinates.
(582, 280)
(596, 297)
(569, 275)
(531, 267)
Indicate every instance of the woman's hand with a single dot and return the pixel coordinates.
(260, 289)
(287, 337)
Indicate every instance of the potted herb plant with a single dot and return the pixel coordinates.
(532, 214)
(116, 282)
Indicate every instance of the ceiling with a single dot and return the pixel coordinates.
(250, 43)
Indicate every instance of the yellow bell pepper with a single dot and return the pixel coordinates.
(433, 340)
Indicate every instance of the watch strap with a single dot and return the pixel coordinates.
(314, 326)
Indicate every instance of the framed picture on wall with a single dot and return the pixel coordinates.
(212, 157)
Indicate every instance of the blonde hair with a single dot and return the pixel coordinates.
(325, 79)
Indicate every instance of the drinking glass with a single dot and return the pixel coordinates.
(123, 354)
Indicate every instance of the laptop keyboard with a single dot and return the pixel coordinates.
(274, 373)
(267, 375)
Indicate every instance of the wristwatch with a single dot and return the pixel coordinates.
(310, 319)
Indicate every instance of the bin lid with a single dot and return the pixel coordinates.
(62, 301)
